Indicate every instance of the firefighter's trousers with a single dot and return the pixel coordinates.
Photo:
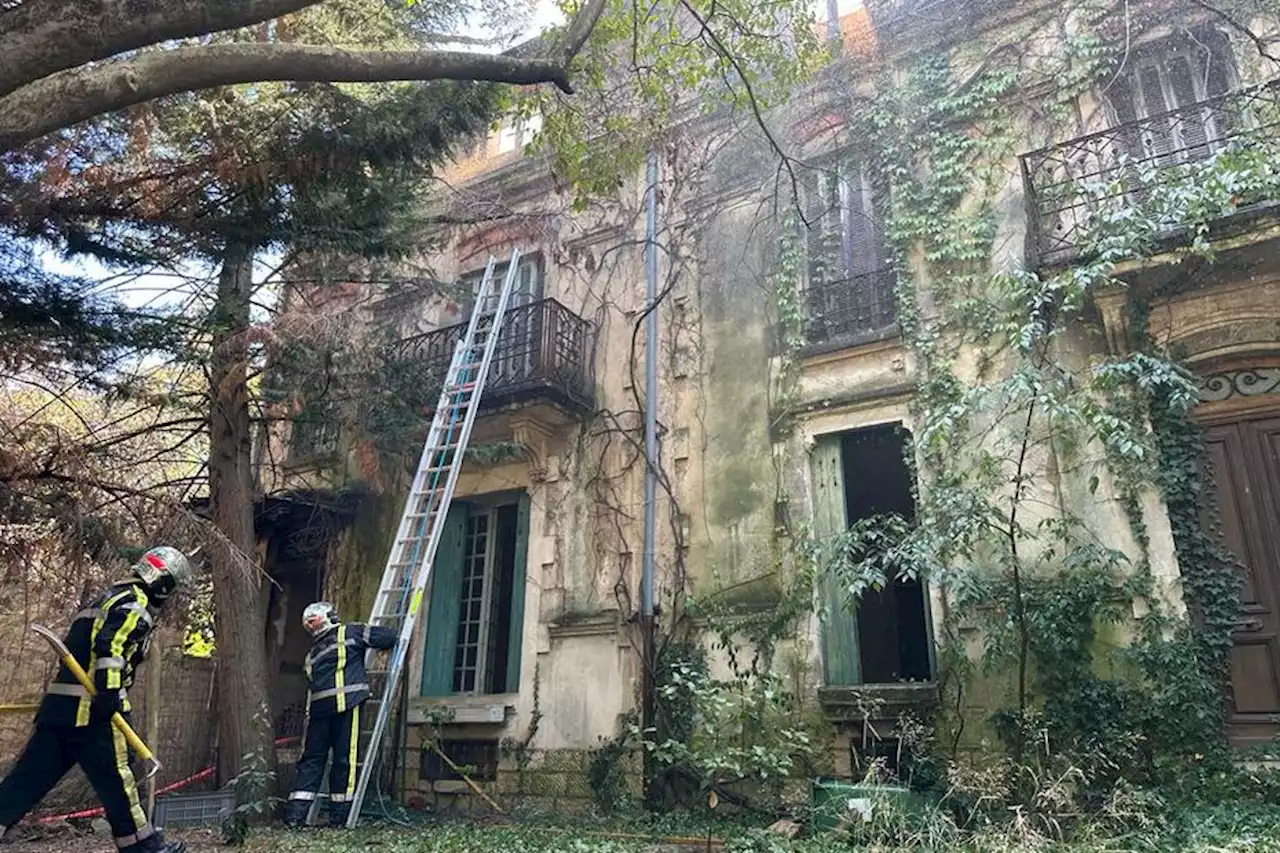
(103, 755)
(339, 733)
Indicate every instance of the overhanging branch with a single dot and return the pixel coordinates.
(73, 95)
(39, 39)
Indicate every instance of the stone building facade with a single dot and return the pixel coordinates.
(531, 635)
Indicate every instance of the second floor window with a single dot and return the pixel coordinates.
(314, 435)
(517, 356)
(527, 287)
(1166, 95)
(850, 287)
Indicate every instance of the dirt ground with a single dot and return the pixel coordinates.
(67, 839)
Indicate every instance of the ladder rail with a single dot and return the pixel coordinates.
(430, 448)
(415, 518)
(435, 517)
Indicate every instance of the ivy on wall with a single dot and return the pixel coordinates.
(1093, 670)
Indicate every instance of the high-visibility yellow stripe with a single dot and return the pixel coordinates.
(136, 814)
(415, 601)
(82, 710)
(353, 751)
(338, 677)
(117, 646)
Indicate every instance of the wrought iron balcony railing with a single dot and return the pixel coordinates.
(1074, 187)
(851, 310)
(543, 352)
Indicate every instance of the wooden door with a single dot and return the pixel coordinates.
(841, 662)
(1244, 514)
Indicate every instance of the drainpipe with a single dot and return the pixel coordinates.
(648, 627)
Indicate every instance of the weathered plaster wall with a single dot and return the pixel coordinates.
(729, 481)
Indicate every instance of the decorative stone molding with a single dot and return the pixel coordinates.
(536, 440)
(1115, 319)
(1250, 382)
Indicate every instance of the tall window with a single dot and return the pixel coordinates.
(516, 359)
(475, 615)
(850, 282)
(1163, 93)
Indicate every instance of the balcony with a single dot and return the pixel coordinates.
(542, 355)
(850, 311)
(1076, 189)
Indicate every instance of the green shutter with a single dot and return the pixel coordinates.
(840, 660)
(516, 637)
(444, 605)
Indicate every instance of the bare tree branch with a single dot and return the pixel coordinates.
(1260, 43)
(78, 93)
(39, 39)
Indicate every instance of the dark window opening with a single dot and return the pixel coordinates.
(850, 291)
(893, 631)
(477, 758)
(314, 435)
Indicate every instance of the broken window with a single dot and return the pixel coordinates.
(850, 287)
(314, 434)
(475, 615)
(884, 637)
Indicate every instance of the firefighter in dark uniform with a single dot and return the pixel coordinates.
(109, 638)
(338, 685)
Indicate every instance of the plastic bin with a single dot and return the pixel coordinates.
(209, 808)
(835, 801)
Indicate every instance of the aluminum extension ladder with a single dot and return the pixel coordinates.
(408, 568)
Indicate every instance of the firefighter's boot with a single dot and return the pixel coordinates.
(155, 844)
(338, 813)
(295, 813)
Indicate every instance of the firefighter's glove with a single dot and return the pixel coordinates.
(105, 704)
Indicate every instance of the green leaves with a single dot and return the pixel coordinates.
(649, 68)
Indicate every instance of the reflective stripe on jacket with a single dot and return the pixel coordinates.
(109, 639)
(335, 666)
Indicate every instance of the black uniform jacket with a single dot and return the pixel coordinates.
(335, 666)
(109, 639)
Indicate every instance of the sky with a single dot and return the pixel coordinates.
(161, 291)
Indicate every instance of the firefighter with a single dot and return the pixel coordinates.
(109, 639)
(338, 685)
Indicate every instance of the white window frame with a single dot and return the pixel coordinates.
(487, 602)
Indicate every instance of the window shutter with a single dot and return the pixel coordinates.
(516, 637)
(864, 255)
(840, 662)
(444, 603)
(1193, 126)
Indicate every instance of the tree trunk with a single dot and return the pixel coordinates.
(244, 723)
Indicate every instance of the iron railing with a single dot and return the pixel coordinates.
(1073, 186)
(543, 351)
(853, 309)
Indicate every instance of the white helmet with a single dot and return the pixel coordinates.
(319, 617)
(163, 570)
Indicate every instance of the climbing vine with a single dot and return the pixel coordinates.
(1095, 668)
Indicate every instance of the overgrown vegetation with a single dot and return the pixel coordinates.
(1104, 690)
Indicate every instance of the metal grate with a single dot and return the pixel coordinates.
(542, 349)
(1069, 185)
(848, 309)
(186, 810)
